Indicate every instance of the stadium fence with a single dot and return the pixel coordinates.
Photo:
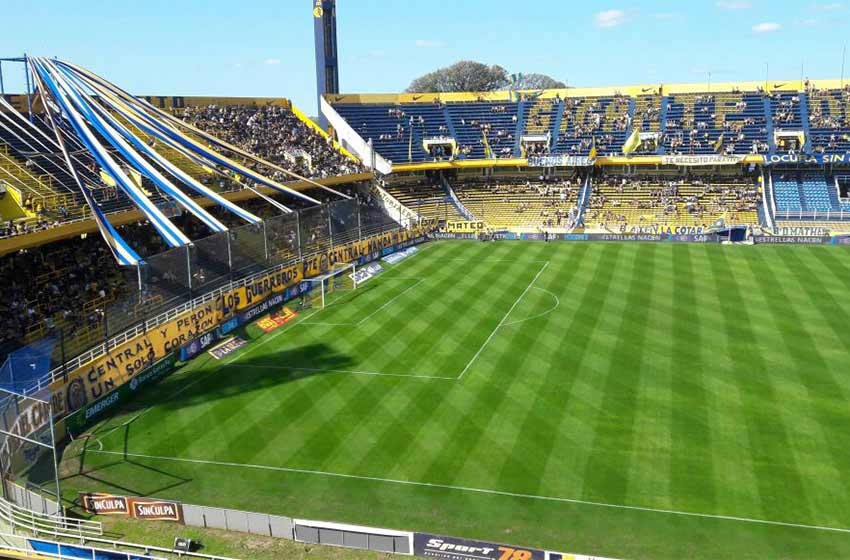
(168, 283)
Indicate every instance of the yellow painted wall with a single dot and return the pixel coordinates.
(631, 90)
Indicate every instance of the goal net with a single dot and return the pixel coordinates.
(323, 290)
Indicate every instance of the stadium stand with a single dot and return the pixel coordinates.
(605, 119)
(732, 120)
(275, 133)
(806, 194)
(645, 203)
(41, 194)
(705, 123)
(67, 285)
(527, 205)
(427, 197)
(485, 129)
(829, 120)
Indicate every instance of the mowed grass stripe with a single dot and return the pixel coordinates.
(607, 471)
(584, 355)
(651, 439)
(537, 403)
(692, 476)
(776, 475)
(821, 403)
(512, 399)
(468, 408)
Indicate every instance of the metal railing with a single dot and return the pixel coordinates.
(823, 215)
(102, 348)
(115, 547)
(21, 518)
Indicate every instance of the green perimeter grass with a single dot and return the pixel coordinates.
(691, 378)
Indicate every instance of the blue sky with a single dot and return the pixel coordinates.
(265, 47)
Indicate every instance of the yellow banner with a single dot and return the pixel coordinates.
(123, 362)
(261, 288)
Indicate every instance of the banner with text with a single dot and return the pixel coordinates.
(137, 508)
(126, 360)
(450, 548)
(697, 160)
(465, 227)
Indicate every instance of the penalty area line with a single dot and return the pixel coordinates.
(484, 491)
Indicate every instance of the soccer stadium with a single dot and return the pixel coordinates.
(492, 317)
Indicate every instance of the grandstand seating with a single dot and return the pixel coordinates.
(521, 206)
(829, 120)
(484, 129)
(632, 204)
(585, 119)
(805, 194)
(693, 123)
(727, 122)
(428, 200)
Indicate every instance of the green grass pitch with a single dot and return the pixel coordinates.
(623, 400)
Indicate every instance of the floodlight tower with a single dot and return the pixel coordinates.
(327, 63)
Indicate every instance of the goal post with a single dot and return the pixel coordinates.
(320, 291)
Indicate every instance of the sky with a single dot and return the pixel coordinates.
(264, 48)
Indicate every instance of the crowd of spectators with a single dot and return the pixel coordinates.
(274, 133)
(68, 284)
(617, 202)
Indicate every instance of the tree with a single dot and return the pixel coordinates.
(540, 81)
(465, 75)
(468, 75)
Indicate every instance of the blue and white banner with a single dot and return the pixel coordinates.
(198, 345)
(560, 161)
(806, 159)
(399, 256)
(366, 273)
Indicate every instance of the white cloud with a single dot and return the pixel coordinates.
(766, 27)
(610, 18)
(429, 44)
(734, 4)
(272, 61)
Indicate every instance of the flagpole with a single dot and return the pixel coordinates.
(843, 60)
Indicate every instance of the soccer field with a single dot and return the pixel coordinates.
(624, 400)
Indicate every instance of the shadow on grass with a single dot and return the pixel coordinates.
(206, 382)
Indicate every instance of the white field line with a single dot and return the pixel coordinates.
(539, 315)
(370, 315)
(343, 371)
(481, 491)
(504, 318)
(517, 261)
(144, 411)
(390, 302)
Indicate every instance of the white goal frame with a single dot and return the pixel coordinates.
(326, 283)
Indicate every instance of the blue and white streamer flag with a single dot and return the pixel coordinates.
(123, 253)
(142, 107)
(162, 182)
(61, 91)
(136, 160)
